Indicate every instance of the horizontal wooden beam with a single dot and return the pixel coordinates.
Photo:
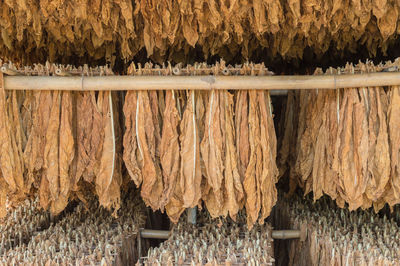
(123, 83)
(165, 234)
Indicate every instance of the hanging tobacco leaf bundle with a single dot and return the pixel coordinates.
(352, 149)
(261, 172)
(213, 153)
(109, 178)
(90, 138)
(393, 194)
(190, 173)
(50, 149)
(169, 148)
(12, 167)
(308, 123)
(73, 148)
(345, 144)
(59, 151)
(35, 31)
(233, 180)
(141, 144)
(378, 146)
(131, 150)
(308, 157)
(34, 151)
(218, 151)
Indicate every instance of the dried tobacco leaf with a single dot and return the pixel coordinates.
(34, 150)
(15, 137)
(213, 153)
(190, 172)
(332, 123)
(27, 107)
(233, 182)
(323, 176)
(351, 151)
(12, 181)
(393, 120)
(318, 143)
(130, 137)
(224, 193)
(6, 146)
(152, 185)
(51, 150)
(34, 153)
(201, 99)
(305, 141)
(169, 148)
(17, 140)
(269, 174)
(252, 182)
(66, 154)
(174, 207)
(90, 137)
(108, 179)
(153, 97)
(242, 131)
(378, 147)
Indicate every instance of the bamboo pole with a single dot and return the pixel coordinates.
(286, 234)
(154, 234)
(122, 83)
(165, 234)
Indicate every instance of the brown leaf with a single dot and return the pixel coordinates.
(51, 151)
(190, 172)
(6, 147)
(351, 150)
(242, 131)
(169, 148)
(233, 182)
(66, 154)
(108, 179)
(394, 139)
(378, 147)
(130, 137)
(251, 183)
(152, 185)
(34, 151)
(90, 137)
(212, 151)
(269, 174)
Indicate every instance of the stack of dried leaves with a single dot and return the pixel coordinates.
(21, 223)
(33, 31)
(185, 147)
(62, 144)
(89, 235)
(344, 143)
(337, 236)
(214, 244)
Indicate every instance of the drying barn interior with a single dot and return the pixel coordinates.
(216, 132)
